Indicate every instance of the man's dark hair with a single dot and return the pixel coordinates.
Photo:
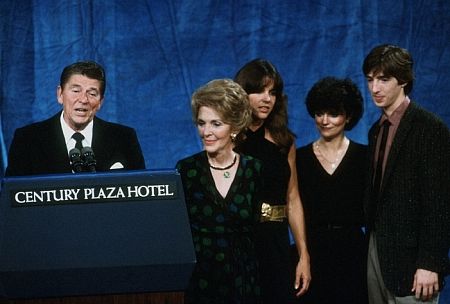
(89, 69)
(391, 61)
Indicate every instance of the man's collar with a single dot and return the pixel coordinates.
(68, 131)
(395, 117)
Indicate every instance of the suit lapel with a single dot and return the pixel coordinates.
(53, 145)
(373, 134)
(100, 144)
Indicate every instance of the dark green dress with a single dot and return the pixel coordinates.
(222, 231)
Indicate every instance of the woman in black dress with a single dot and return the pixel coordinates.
(221, 188)
(270, 140)
(331, 175)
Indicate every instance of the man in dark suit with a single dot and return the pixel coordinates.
(43, 147)
(407, 198)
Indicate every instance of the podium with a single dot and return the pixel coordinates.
(94, 234)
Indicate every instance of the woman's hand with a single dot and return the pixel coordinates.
(302, 275)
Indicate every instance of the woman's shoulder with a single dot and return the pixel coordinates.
(250, 162)
(249, 159)
(358, 147)
(190, 161)
(358, 153)
(304, 149)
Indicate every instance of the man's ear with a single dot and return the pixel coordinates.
(101, 103)
(58, 95)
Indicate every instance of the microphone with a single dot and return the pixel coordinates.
(75, 160)
(89, 159)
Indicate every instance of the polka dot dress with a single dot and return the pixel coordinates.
(222, 231)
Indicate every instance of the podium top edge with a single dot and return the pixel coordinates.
(116, 173)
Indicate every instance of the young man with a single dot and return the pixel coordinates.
(43, 147)
(407, 197)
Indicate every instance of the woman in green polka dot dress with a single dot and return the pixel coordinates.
(220, 187)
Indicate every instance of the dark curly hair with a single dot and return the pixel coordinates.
(254, 76)
(336, 96)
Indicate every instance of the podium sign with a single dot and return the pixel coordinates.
(88, 234)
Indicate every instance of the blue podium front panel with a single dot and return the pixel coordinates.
(101, 233)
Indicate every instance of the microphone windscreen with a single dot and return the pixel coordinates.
(74, 152)
(89, 158)
(87, 150)
(75, 160)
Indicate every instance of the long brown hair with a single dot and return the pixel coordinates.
(254, 77)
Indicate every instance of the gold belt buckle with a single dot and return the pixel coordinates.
(272, 213)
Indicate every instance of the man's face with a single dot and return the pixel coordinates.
(386, 92)
(81, 99)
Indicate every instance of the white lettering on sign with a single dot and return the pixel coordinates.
(43, 196)
(149, 190)
(89, 194)
(103, 193)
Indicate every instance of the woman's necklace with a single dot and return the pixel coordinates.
(339, 154)
(226, 173)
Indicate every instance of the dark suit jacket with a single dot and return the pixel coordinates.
(411, 220)
(40, 148)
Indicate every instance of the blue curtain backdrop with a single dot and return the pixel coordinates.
(157, 53)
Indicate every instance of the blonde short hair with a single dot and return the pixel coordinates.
(228, 99)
